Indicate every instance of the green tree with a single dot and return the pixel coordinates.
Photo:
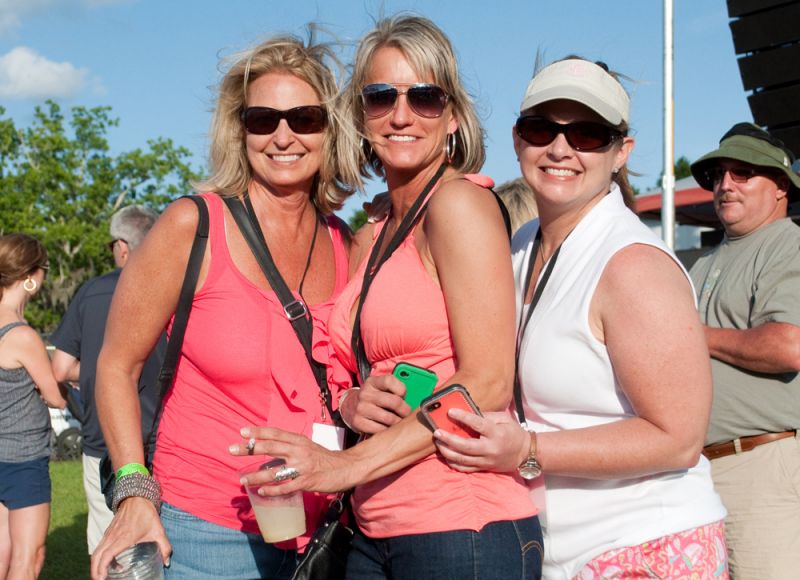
(682, 168)
(60, 183)
(357, 219)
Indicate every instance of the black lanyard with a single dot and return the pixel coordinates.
(415, 212)
(537, 294)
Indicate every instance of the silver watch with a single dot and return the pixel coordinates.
(530, 468)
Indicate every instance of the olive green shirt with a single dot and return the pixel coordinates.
(743, 283)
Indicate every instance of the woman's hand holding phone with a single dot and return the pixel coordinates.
(502, 444)
(377, 405)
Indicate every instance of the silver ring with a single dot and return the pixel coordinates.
(251, 445)
(285, 473)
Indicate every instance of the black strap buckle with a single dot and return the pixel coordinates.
(295, 310)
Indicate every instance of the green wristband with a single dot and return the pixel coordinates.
(132, 468)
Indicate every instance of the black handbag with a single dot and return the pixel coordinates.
(167, 372)
(325, 557)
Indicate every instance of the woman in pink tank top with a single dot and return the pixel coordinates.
(440, 297)
(272, 146)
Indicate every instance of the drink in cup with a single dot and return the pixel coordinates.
(279, 518)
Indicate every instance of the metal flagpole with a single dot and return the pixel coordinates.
(668, 179)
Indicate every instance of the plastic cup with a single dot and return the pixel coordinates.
(281, 517)
(139, 562)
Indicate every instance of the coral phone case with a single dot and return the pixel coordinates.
(434, 410)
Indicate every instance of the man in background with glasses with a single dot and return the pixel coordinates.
(78, 340)
(749, 299)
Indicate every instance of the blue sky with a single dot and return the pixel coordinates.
(156, 62)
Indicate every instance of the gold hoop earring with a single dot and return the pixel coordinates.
(450, 147)
(32, 287)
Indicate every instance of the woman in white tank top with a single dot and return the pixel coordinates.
(612, 360)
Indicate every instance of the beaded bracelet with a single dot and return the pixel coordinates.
(129, 468)
(136, 485)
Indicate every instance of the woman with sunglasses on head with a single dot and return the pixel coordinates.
(613, 368)
(433, 288)
(27, 388)
(272, 152)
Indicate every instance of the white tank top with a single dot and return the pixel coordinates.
(568, 383)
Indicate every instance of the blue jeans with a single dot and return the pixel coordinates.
(205, 551)
(501, 550)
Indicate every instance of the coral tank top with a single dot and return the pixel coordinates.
(241, 364)
(404, 319)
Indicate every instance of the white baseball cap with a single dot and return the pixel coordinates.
(581, 81)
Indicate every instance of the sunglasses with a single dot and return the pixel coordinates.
(581, 135)
(301, 120)
(739, 174)
(425, 99)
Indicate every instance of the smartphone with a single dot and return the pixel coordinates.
(419, 382)
(434, 410)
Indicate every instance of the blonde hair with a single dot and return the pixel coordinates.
(20, 256)
(230, 170)
(429, 52)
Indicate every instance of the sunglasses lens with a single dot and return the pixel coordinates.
(378, 99)
(301, 120)
(741, 174)
(536, 131)
(588, 136)
(581, 136)
(306, 120)
(737, 174)
(427, 101)
(261, 120)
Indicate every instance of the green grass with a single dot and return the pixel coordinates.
(67, 557)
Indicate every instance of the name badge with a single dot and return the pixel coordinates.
(330, 437)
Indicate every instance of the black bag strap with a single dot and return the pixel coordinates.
(413, 216)
(374, 263)
(296, 311)
(181, 318)
(503, 212)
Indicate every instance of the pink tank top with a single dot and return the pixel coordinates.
(241, 364)
(404, 319)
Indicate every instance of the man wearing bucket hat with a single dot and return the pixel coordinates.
(749, 299)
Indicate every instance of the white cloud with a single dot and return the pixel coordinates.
(26, 74)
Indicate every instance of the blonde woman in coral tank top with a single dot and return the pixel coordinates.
(442, 300)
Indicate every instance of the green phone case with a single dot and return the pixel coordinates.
(419, 382)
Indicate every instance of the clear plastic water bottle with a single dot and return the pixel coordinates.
(139, 562)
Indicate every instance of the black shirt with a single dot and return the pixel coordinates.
(80, 334)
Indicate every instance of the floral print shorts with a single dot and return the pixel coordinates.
(694, 554)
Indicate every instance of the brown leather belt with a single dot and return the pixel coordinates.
(744, 444)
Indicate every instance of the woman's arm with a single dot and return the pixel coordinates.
(32, 354)
(465, 243)
(144, 300)
(643, 309)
